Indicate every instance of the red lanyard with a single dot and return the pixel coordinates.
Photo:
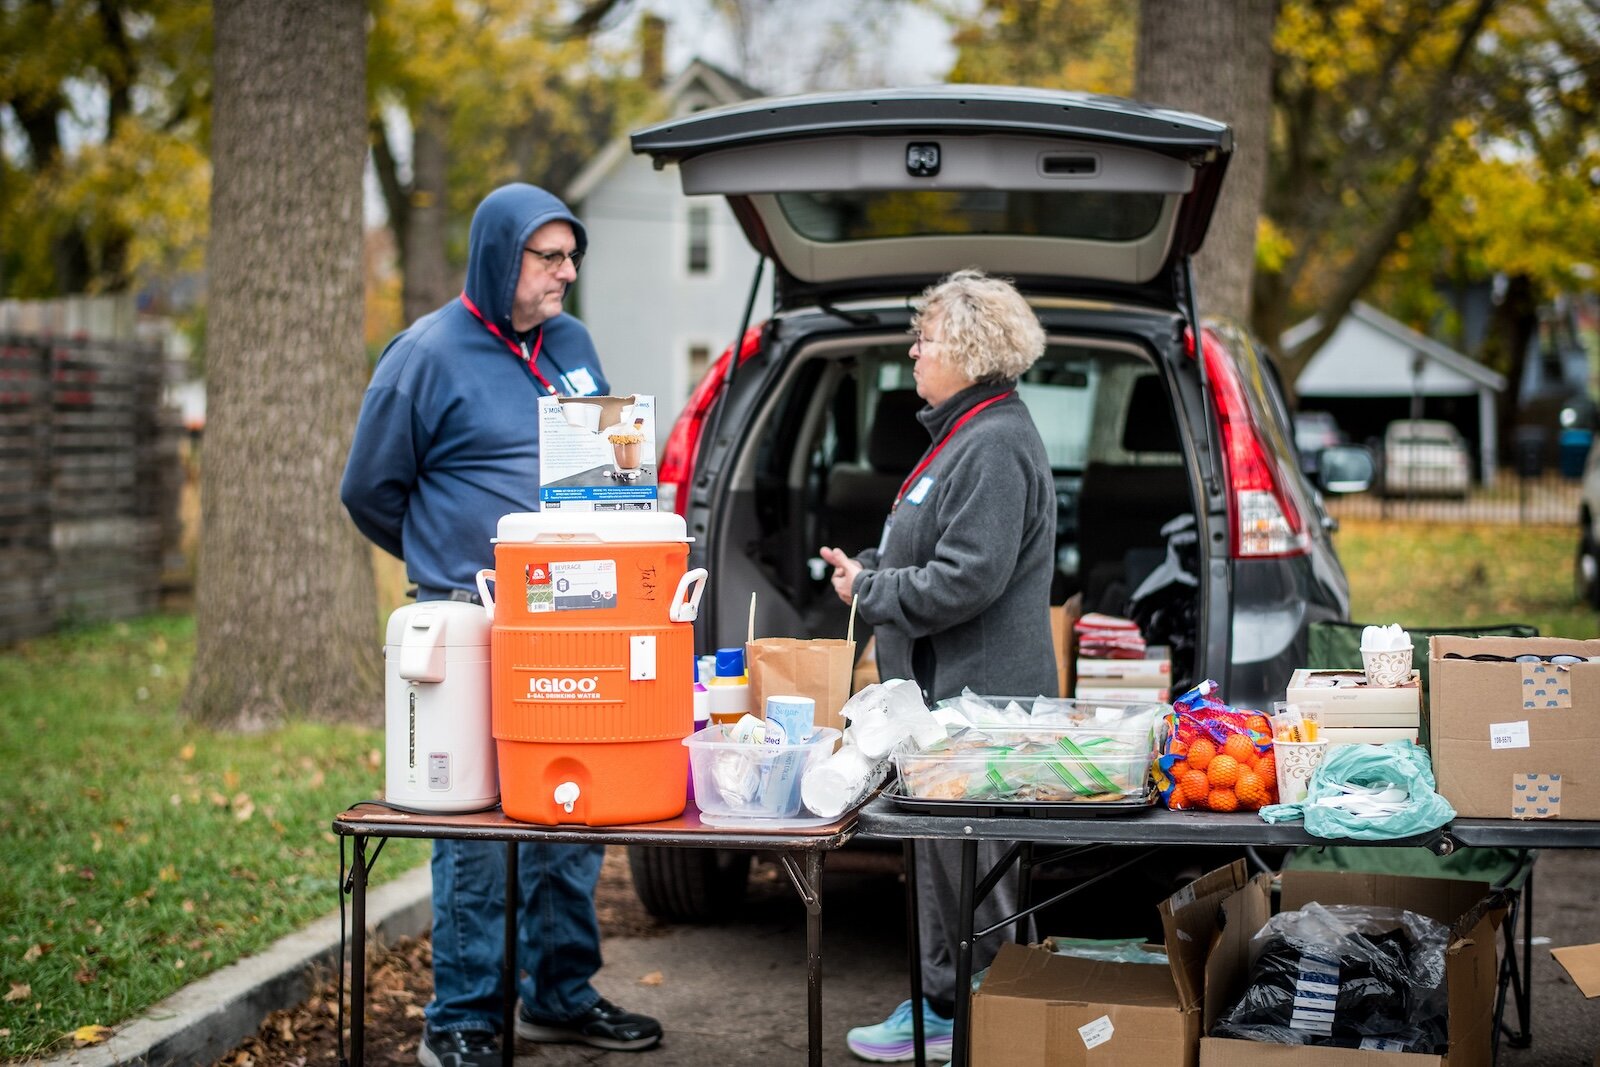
(520, 351)
(962, 421)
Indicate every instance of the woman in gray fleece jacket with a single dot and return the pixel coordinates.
(958, 588)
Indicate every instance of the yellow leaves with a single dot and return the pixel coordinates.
(186, 753)
(230, 779)
(1273, 246)
(169, 873)
(93, 1034)
(652, 979)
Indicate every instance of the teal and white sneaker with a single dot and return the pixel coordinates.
(893, 1041)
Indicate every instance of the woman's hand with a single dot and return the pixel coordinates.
(845, 570)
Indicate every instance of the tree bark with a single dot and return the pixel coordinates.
(286, 607)
(425, 273)
(1214, 57)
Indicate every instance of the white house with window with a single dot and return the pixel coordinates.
(667, 276)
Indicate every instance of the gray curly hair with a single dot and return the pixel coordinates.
(988, 330)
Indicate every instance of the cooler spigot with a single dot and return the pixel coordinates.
(567, 795)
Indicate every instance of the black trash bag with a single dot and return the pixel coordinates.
(1348, 976)
(1166, 605)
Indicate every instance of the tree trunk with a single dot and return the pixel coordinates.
(425, 273)
(1214, 57)
(286, 608)
(1513, 324)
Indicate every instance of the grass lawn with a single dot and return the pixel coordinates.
(1431, 574)
(142, 851)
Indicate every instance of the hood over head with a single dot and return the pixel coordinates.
(500, 229)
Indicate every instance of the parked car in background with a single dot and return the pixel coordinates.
(1094, 206)
(1588, 565)
(1425, 457)
(1315, 431)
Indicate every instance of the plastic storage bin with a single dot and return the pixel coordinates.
(1073, 752)
(745, 779)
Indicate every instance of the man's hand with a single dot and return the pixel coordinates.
(845, 570)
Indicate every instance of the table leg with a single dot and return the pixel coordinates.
(913, 949)
(809, 885)
(958, 1039)
(508, 962)
(358, 948)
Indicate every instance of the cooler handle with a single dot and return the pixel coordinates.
(690, 611)
(486, 576)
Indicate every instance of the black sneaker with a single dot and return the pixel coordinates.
(604, 1026)
(458, 1048)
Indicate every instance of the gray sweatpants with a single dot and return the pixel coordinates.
(938, 912)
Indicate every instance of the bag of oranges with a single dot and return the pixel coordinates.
(1216, 757)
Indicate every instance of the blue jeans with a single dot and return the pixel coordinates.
(558, 935)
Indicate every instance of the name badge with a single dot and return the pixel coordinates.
(919, 492)
(883, 542)
(580, 382)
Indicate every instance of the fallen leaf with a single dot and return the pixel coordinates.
(188, 906)
(168, 873)
(95, 843)
(375, 758)
(186, 753)
(218, 800)
(35, 951)
(5, 1031)
(19, 991)
(90, 1035)
(85, 976)
(230, 779)
(653, 978)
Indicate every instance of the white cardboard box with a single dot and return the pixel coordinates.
(597, 453)
(1346, 700)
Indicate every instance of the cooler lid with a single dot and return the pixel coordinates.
(600, 526)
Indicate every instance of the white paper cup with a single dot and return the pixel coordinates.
(583, 416)
(1296, 761)
(1387, 668)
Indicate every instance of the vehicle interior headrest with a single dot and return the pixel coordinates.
(897, 440)
(1148, 426)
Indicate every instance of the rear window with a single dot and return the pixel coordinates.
(831, 217)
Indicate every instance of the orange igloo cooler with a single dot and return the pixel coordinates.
(591, 654)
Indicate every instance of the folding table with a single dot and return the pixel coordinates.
(800, 849)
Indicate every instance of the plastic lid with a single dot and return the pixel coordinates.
(604, 526)
(730, 662)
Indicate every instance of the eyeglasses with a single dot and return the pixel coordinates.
(1526, 657)
(918, 340)
(552, 260)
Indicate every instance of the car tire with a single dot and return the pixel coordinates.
(693, 885)
(1586, 569)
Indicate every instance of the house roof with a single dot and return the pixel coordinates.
(711, 79)
(1371, 354)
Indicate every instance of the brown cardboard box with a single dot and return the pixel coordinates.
(1036, 1008)
(1471, 910)
(1582, 963)
(1515, 740)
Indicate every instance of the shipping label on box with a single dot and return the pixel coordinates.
(597, 453)
(1513, 739)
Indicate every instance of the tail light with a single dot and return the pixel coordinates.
(1265, 518)
(675, 470)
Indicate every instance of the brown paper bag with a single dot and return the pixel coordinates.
(786, 666)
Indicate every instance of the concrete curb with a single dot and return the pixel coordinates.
(202, 1021)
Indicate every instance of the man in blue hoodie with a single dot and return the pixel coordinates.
(447, 443)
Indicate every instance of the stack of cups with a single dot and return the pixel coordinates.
(1297, 749)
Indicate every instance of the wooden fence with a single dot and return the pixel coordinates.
(89, 477)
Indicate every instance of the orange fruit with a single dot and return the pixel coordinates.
(1223, 800)
(1240, 747)
(1267, 768)
(1179, 769)
(1194, 788)
(1260, 724)
(1251, 790)
(1178, 748)
(1223, 772)
(1201, 751)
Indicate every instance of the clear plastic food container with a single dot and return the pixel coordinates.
(752, 779)
(1033, 751)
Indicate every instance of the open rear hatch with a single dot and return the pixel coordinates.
(854, 195)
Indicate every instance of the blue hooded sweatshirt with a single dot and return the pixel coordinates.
(448, 438)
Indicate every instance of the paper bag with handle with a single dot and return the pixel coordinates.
(787, 666)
